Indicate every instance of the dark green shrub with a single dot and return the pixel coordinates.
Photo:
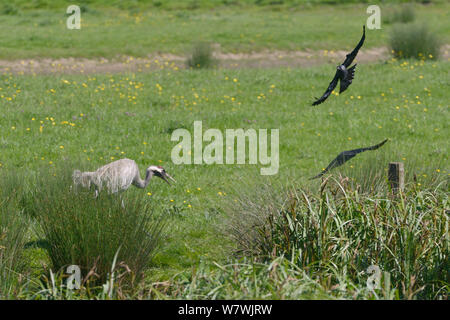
(414, 41)
(8, 9)
(201, 57)
(404, 14)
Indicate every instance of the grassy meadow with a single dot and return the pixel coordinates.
(109, 31)
(54, 123)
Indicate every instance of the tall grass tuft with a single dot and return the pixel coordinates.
(13, 236)
(244, 279)
(87, 231)
(336, 234)
(201, 56)
(414, 41)
(404, 14)
(8, 9)
(369, 175)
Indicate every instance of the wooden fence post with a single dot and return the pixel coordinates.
(396, 177)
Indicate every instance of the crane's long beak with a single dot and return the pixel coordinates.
(165, 176)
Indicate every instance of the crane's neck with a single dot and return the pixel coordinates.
(143, 183)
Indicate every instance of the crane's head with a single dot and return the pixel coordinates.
(160, 172)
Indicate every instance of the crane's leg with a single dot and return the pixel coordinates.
(119, 194)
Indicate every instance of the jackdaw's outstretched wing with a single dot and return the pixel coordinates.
(375, 147)
(352, 55)
(339, 161)
(345, 156)
(330, 88)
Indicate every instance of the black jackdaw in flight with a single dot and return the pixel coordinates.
(345, 156)
(343, 72)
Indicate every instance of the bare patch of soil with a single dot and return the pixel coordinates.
(264, 59)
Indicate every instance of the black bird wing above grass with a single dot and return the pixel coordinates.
(330, 89)
(375, 147)
(352, 55)
(345, 156)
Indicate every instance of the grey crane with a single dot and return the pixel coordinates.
(118, 176)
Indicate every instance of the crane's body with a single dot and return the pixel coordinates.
(118, 176)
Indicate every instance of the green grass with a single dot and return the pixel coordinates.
(340, 232)
(89, 123)
(187, 5)
(88, 232)
(109, 31)
(14, 233)
(102, 118)
(245, 279)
